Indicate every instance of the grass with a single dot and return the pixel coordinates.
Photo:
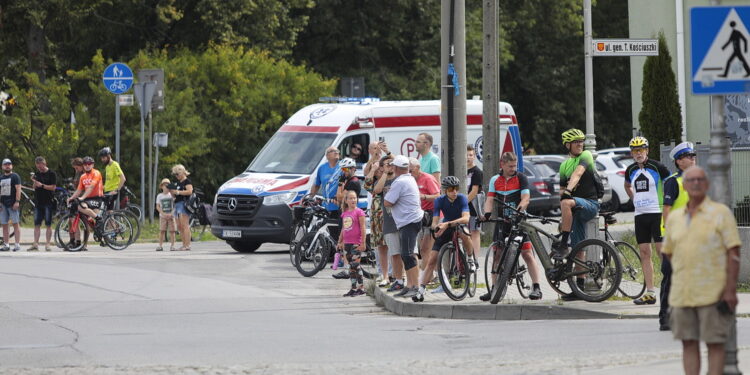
(150, 233)
(629, 237)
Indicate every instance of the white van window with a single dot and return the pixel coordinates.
(359, 141)
(291, 152)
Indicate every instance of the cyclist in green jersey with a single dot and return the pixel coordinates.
(114, 178)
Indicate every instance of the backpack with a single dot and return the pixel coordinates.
(599, 185)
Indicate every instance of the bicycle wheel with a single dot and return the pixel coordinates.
(523, 277)
(299, 233)
(632, 284)
(312, 254)
(504, 272)
(600, 266)
(117, 232)
(494, 254)
(472, 283)
(196, 228)
(453, 272)
(65, 233)
(136, 209)
(134, 223)
(26, 211)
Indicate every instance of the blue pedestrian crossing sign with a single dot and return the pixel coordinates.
(118, 78)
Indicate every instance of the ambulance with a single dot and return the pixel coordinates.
(255, 207)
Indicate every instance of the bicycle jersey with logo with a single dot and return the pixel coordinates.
(451, 210)
(112, 173)
(352, 232)
(93, 178)
(8, 184)
(648, 186)
(586, 187)
(508, 189)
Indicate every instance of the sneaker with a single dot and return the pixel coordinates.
(33, 248)
(439, 289)
(647, 299)
(570, 297)
(472, 266)
(419, 297)
(664, 326)
(341, 275)
(535, 294)
(410, 292)
(17, 247)
(159, 248)
(403, 291)
(47, 248)
(395, 287)
(559, 251)
(485, 297)
(358, 292)
(4, 248)
(384, 283)
(350, 293)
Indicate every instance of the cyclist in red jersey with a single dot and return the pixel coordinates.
(90, 191)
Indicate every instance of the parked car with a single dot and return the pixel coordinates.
(615, 170)
(554, 161)
(615, 151)
(544, 187)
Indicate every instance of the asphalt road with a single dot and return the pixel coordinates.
(216, 311)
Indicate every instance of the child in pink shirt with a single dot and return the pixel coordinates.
(352, 240)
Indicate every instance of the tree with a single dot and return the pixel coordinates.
(660, 115)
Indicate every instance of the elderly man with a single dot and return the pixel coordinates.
(327, 179)
(403, 201)
(428, 191)
(703, 244)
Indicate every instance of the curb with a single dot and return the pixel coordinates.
(403, 307)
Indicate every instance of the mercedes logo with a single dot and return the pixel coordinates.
(232, 204)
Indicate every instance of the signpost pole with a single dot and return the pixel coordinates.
(490, 95)
(142, 87)
(117, 128)
(589, 77)
(150, 170)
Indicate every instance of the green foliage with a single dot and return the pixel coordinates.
(221, 106)
(660, 115)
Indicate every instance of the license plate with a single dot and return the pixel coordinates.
(231, 233)
(555, 188)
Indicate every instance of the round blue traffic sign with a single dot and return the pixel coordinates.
(118, 78)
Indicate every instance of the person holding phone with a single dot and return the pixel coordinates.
(45, 182)
(182, 193)
(703, 245)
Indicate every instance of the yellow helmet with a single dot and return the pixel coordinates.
(571, 135)
(638, 142)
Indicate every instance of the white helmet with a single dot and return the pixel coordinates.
(347, 163)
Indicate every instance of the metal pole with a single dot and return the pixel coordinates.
(589, 76)
(150, 170)
(453, 114)
(117, 127)
(490, 157)
(156, 170)
(719, 166)
(143, 147)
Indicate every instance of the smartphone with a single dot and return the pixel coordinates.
(172, 186)
(381, 139)
(723, 308)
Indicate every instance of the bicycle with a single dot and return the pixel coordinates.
(592, 258)
(114, 229)
(520, 273)
(126, 204)
(633, 283)
(304, 221)
(198, 221)
(27, 206)
(454, 273)
(315, 247)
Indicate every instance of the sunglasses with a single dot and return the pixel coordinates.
(691, 156)
(357, 148)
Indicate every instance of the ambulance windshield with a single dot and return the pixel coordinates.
(292, 152)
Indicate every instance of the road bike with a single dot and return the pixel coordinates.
(592, 260)
(113, 230)
(456, 276)
(633, 283)
(520, 274)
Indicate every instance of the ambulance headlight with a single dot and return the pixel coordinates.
(283, 198)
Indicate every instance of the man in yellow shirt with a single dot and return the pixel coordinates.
(703, 244)
(114, 178)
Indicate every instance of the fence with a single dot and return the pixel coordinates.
(739, 175)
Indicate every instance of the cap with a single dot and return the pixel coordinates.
(165, 181)
(401, 161)
(681, 149)
(7, 161)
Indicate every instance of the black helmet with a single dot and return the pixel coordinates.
(105, 152)
(88, 160)
(450, 181)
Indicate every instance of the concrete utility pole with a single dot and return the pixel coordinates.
(589, 77)
(490, 93)
(453, 92)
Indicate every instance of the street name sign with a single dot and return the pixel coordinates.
(719, 42)
(118, 78)
(625, 47)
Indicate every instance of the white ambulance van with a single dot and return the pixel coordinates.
(256, 206)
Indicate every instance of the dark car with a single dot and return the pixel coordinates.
(544, 186)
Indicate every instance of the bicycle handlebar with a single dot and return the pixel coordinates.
(525, 215)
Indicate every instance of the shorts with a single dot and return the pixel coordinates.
(7, 213)
(703, 323)
(95, 203)
(392, 241)
(376, 229)
(407, 236)
(179, 209)
(43, 212)
(446, 237)
(474, 224)
(588, 210)
(166, 223)
(648, 228)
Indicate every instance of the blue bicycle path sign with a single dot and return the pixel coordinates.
(118, 78)
(719, 50)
